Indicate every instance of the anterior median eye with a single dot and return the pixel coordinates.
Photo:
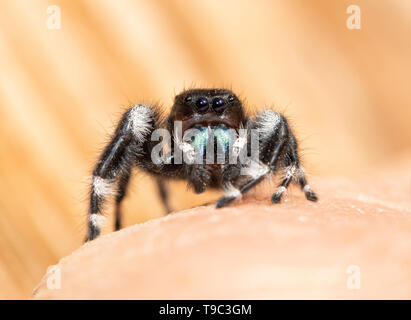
(202, 105)
(218, 105)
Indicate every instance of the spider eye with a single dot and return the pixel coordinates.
(188, 99)
(231, 98)
(218, 105)
(202, 105)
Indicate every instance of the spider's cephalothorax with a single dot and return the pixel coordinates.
(211, 130)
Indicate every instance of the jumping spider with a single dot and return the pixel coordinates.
(213, 113)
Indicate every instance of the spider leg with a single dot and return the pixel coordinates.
(121, 193)
(128, 145)
(282, 188)
(294, 173)
(302, 181)
(278, 149)
(273, 131)
(163, 192)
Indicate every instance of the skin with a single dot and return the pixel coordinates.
(256, 250)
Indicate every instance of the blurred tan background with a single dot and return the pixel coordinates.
(347, 93)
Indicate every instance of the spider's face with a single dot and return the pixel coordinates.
(207, 108)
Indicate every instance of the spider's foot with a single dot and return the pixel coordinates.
(224, 201)
(117, 220)
(312, 197)
(117, 225)
(92, 234)
(309, 194)
(276, 197)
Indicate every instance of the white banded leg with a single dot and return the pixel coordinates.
(282, 188)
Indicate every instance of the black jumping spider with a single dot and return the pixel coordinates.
(212, 116)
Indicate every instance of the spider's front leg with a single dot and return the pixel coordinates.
(127, 148)
(277, 148)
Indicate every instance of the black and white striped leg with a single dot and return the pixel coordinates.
(302, 181)
(273, 135)
(163, 193)
(231, 193)
(282, 188)
(104, 179)
(101, 189)
(115, 163)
